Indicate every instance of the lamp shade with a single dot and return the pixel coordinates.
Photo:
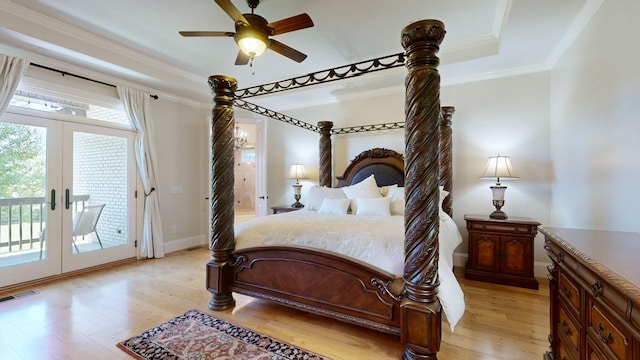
(499, 167)
(297, 172)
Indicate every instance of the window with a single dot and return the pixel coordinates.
(38, 101)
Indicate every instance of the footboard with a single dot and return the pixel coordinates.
(320, 282)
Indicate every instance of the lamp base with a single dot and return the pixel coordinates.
(499, 215)
(297, 196)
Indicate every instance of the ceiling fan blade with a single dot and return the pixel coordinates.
(242, 59)
(206, 33)
(293, 23)
(287, 51)
(232, 11)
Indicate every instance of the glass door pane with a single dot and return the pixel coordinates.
(99, 191)
(29, 181)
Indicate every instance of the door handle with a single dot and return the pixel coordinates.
(53, 199)
(67, 203)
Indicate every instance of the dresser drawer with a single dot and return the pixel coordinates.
(569, 329)
(593, 353)
(565, 351)
(604, 332)
(506, 228)
(568, 290)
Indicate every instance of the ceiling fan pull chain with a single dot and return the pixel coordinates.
(251, 65)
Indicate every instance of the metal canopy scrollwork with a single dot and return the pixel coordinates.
(324, 76)
(274, 115)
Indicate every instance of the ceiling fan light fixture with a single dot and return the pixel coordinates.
(252, 43)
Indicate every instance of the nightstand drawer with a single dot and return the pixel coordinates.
(506, 228)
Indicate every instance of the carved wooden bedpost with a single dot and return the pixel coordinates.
(325, 153)
(446, 156)
(420, 308)
(222, 242)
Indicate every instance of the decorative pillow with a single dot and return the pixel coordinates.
(384, 190)
(396, 198)
(317, 194)
(373, 206)
(334, 206)
(367, 188)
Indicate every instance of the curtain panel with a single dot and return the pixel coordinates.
(136, 104)
(11, 71)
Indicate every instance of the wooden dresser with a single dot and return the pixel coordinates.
(595, 294)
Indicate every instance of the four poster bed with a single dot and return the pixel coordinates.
(403, 302)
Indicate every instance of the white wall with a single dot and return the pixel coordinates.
(182, 151)
(595, 102)
(288, 145)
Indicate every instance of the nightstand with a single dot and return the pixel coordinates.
(501, 251)
(284, 208)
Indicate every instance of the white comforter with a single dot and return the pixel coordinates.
(375, 240)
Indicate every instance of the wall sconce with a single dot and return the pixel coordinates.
(297, 172)
(498, 167)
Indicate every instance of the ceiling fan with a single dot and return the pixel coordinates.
(253, 32)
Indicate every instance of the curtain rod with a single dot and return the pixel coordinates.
(80, 77)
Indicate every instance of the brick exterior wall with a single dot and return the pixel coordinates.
(100, 170)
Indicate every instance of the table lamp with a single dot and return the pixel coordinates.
(297, 172)
(498, 167)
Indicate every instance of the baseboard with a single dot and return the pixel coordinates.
(539, 268)
(460, 259)
(185, 243)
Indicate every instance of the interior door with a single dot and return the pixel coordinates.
(30, 209)
(98, 196)
(261, 169)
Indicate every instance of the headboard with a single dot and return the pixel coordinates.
(387, 166)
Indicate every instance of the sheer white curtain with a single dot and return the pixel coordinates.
(136, 104)
(11, 71)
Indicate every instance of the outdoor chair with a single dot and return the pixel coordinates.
(85, 222)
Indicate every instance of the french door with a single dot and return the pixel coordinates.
(66, 197)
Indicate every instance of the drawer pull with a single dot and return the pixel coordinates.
(565, 329)
(567, 292)
(596, 288)
(605, 339)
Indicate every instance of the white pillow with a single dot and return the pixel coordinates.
(317, 194)
(384, 190)
(334, 206)
(396, 198)
(373, 206)
(367, 188)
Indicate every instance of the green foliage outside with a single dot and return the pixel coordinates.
(22, 161)
(22, 172)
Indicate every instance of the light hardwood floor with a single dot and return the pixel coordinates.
(83, 317)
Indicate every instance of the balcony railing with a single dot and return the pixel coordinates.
(23, 219)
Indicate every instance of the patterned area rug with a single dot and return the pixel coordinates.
(196, 335)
